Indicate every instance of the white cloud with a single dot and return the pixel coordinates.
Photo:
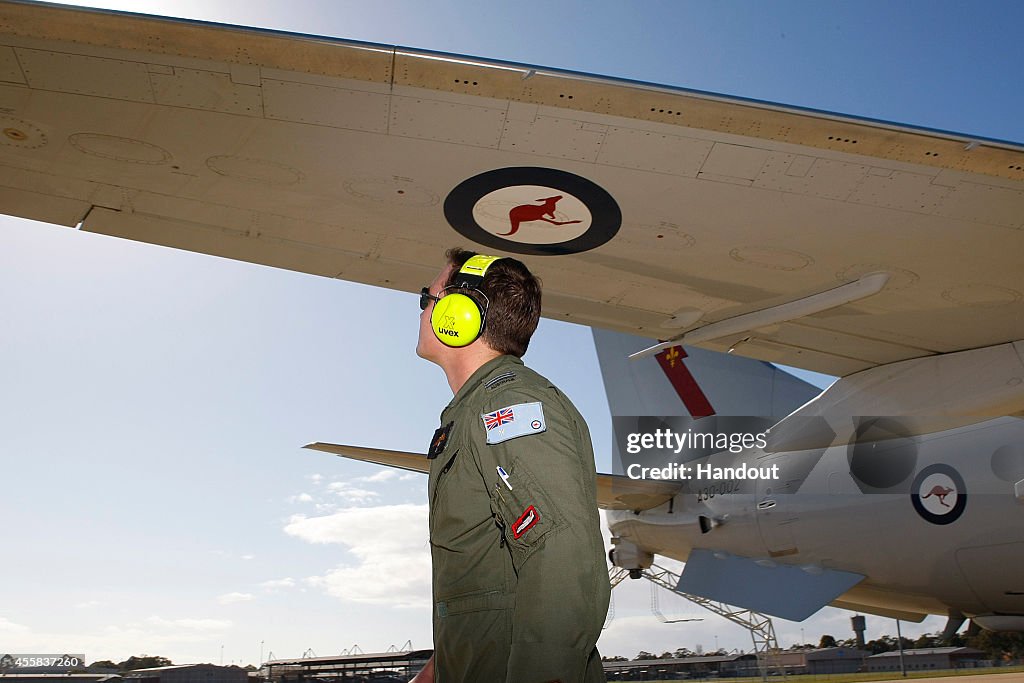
(87, 604)
(110, 641)
(229, 598)
(8, 626)
(167, 637)
(301, 498)
(383, 475)
(351, 493)
(248, 557)
(277, 584)
(316, 478)
(390, 545)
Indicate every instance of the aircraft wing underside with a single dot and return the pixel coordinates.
(646, 210)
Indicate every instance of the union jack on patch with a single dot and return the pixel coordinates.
(498, 418)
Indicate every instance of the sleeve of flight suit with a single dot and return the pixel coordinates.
(550, 520)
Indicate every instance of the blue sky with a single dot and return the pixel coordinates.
(152, 402)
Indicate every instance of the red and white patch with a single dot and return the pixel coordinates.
(525, 522)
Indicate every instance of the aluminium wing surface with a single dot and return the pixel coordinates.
(645, 209)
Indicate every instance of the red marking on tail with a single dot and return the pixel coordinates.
(671, 362)
(524, 213)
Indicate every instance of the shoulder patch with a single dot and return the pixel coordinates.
(521, 419)
(498, 380)
(439, 440)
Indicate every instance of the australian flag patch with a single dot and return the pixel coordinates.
(521, 419)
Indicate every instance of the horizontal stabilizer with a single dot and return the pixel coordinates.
(793, 593)
(613, 492)
(403, 460)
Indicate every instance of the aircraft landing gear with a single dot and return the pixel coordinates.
(762, 631)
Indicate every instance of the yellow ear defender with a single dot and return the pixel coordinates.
(459, 319)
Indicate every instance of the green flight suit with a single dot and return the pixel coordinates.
(520, 581)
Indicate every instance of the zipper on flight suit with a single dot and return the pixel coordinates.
(498, 519)
(501, 530)
(440, 480)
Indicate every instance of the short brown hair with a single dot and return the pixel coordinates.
(514, 294)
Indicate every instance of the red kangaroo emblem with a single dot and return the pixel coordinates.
(532, 212)
(939, 492)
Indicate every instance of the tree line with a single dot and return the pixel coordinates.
(999, 646)
(139, 662)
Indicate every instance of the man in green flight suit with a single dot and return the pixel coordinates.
(520, 584)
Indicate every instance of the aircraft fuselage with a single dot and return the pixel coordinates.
(932, 522)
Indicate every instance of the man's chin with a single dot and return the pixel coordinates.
(425, 353)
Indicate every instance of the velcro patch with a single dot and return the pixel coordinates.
(521, 419)
(439, 440)
(498, 380)
(525, 522)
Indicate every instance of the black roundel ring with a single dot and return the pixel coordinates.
(939, 494)
(534, 211)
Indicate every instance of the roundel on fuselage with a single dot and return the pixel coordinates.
(939, 494)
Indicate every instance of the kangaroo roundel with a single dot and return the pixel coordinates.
(535, 211)
(939, 494)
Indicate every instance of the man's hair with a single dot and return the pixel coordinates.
(514, 295)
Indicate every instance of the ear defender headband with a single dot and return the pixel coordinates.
(458, 319)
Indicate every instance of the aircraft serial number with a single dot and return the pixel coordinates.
(720, 489)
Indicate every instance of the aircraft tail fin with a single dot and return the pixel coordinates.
(685, 380)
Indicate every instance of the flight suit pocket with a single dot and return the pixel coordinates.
(523, 510)
(473, 632)
(439, 480)
(477, 601)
